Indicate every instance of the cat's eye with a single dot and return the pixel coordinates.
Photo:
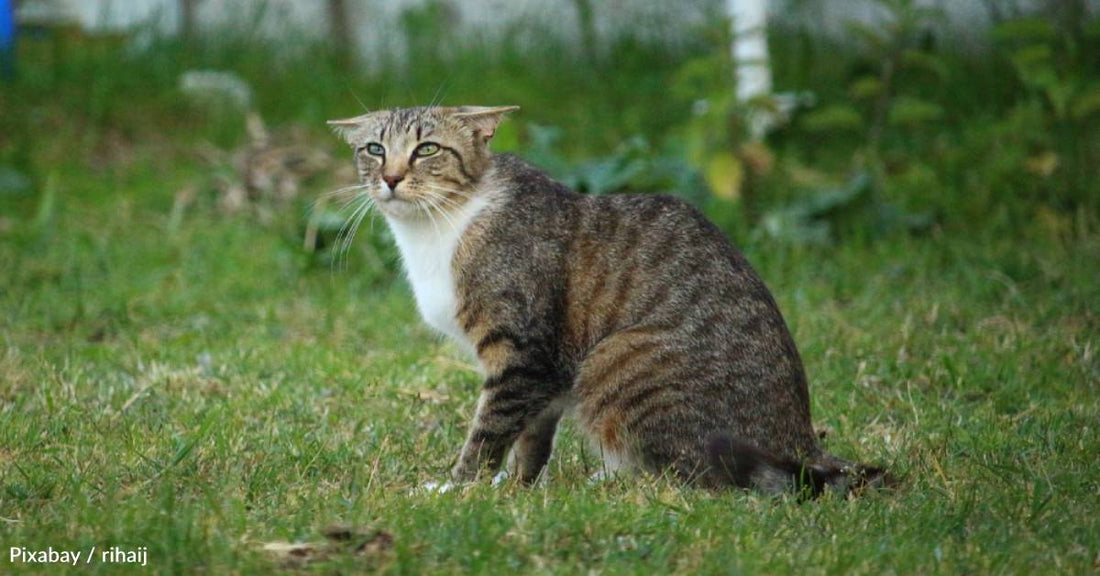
(375, 149)
(426, 149)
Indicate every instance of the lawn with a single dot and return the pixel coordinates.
(195, 383)
(181, 376)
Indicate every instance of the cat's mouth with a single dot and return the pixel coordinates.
(387, 196)
(395, 200)
(397, 205)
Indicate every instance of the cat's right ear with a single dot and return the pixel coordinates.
(350, 128)
(484, 119)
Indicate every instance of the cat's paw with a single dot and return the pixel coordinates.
(602, 475)
(501, 477)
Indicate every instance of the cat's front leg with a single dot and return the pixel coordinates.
(517, 347)
(486, 443)
(503, 413)
(521, 384)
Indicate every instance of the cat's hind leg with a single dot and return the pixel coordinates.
(532, 449)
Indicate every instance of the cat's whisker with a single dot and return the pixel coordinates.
(445, 201)
(443, 213)
(343, 190)
(444, 196)
(439, 94)
(323, 198)
(349, 203)
(334, 263)
(445, 207)
(354, 229)
(458, 193)
(444, 188)
(344, 236)
(421, 205)
(344, 226)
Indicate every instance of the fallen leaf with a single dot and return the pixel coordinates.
(294, 551)
(367, 543)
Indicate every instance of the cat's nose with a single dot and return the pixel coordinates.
(392, 181)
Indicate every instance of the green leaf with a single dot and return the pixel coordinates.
(833, 118)
(875, 38)
(1086, 104)
(1024, 30)
(866, 88)
(908, 111)
(925, 61)
(1032, 57)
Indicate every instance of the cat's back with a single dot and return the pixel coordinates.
(657, 259)
(536, 206)
(623, 259)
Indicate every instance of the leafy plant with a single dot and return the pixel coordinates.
(878, 104)
(878, 101)
(1053, 66)
(633, 166)
(849, 209)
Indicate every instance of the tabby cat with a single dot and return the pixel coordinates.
(633, 314)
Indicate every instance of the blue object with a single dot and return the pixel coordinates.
(7, 38)
(7, 24)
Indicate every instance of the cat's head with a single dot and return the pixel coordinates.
(415, 160)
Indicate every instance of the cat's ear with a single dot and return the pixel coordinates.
(349, 128)
(484, 119)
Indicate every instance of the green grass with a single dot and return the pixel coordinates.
(204, 387)
(196, 383)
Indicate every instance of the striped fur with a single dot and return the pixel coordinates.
(632, 313)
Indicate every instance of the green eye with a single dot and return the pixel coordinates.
(426, 149)
(375, 149)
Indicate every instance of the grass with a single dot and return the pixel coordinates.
(203, 387)
(194, 382)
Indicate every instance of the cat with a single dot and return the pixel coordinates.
(632, 313)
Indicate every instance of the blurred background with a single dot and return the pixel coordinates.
(799, 121)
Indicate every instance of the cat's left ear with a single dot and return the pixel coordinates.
(484, 119)
(348, 128)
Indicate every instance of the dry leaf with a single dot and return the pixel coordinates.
(291, 553)
(366, 543)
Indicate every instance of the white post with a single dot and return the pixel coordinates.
(750, 56)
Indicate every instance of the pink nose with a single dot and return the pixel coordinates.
(392, 181)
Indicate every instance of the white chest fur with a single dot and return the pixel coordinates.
(427, 250)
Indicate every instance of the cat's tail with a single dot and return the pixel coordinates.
(738, 463)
